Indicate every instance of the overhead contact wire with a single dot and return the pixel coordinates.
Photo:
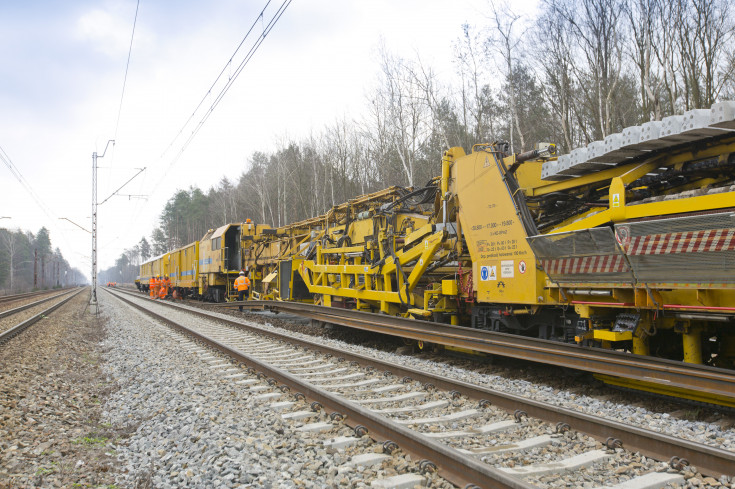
(27, 186)
(229, 83)
(209, 91)
(127, 66)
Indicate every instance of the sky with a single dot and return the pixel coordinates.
(61, 97)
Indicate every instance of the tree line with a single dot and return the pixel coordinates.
(576, 72)
(28, 262)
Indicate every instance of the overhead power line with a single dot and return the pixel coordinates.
(230, 81)
(224, 68)
(27, 186)
(140, 170)
(127, 65)
(24, 183)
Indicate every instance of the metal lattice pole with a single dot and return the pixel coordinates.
(93, 300)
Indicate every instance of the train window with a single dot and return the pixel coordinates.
(216, 243)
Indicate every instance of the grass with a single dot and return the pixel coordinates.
(91, 440)
(92, 359)
(44, 471)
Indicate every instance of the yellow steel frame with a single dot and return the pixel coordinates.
(334, 279)
(679, 206)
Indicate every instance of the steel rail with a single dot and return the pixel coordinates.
(709, 460)
(16, 310)
(18, 297)
(715, 382)
(18, 328)
(451, 464)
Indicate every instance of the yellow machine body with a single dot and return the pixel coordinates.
(504, 266)
(633, 249)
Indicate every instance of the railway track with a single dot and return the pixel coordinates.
(8, 299)
(464, 432)
(15, 321)
(677, 379)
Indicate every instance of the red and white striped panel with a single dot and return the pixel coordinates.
(686, 242)
(587, 264)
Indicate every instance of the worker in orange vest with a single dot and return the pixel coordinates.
(158, 287)
(163, 290)
(152, 287)
(242, 283)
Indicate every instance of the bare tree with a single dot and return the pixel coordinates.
(339, 156)
(429, 89)
(408, 121)
(505, 42)
(642, 18)
(554, 46)
(596, 30)
(475, 99)
(705, 34)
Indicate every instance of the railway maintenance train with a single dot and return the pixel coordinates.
(627, 243)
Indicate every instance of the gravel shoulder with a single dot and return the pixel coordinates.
(53, 390)
(197, 428)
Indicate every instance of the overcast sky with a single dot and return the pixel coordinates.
(61, 81)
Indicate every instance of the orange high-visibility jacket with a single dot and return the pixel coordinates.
(242, 283)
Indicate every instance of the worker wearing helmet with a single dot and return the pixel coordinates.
(163, 289)
(157, 287)
(152, 287)
(242, 283)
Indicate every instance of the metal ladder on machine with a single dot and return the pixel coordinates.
(230, 292)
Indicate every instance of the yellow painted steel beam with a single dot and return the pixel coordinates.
(666, 390)
(678, 206)
(722, 200)
(344, 249)
(431, 244)
(607, 335)
(588, 222)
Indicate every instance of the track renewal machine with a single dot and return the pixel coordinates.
(627, 243)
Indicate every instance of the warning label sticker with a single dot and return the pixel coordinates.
(507, 268)
(615, 200)
(488, 273)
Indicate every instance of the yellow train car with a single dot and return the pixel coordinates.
(144, 279)
(156, 266)
(184, 269)
(220, 262)
(160, 265)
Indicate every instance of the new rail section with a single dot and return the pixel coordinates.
(709, 460)
(698, 381)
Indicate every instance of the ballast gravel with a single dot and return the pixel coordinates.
(721, 435)
(195, 427)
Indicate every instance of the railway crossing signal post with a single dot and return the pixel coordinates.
(93, 298)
